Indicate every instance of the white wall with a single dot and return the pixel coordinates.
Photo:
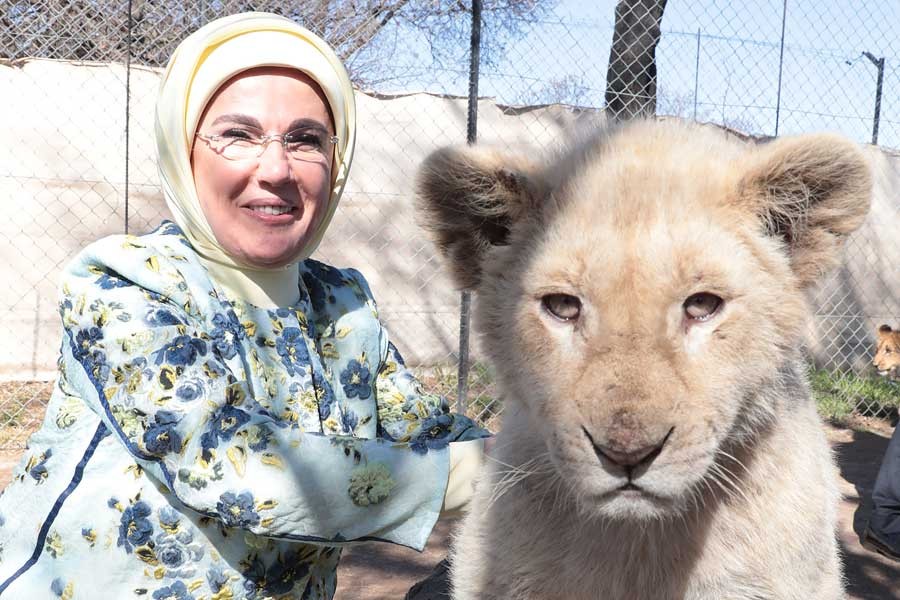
(62, 185)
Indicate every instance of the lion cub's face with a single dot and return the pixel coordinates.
(639, 295)
(887, 353)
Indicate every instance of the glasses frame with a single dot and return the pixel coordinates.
(261, 143)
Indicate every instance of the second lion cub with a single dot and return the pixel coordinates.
(642, 300)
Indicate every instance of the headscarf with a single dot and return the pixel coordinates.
(204, 61)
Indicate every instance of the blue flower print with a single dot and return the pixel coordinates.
(135, 528)
(181, 351)
(316, 292)
(169, 518)
(237, 510)
(434, 433)
(285, 572)
(176, 591)
(279, 578)
(291, 348)
(170, 228)
(226, 333)
(38, 471)
(108, 281)
(326, 402)
(328, 274)
(88, 351)
(85, 339)
(161, 317)
(217, 578)
(170, 553)
(213, 369)
(58, 587)
(355, 379)
(259, 438)
(189, 390)
(349, 420)
(162, 437)
(96, 366)
(222, 428)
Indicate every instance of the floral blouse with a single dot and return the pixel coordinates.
(199, 447)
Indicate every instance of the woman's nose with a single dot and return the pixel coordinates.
(274, 163)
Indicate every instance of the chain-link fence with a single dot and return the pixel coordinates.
(79, 158)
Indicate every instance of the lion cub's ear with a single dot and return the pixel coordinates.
(469, 199)
(884, 331)
(811, 191)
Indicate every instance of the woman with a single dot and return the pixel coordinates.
(228, 411)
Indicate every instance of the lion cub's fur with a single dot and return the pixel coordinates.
(887, 352)
(705, 416)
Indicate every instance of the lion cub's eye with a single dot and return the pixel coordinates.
(562, 306)
(702, 306)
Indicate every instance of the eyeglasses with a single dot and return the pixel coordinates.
(306, 143)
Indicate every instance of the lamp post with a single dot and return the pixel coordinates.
(879, 64)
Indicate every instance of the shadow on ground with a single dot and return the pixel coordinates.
(869, 576)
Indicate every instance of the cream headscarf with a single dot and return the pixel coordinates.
(199, 66)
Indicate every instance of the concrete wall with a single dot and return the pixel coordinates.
(62, 183)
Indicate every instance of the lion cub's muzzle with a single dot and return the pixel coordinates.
(627, 451)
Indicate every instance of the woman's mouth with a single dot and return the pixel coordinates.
(271, 210)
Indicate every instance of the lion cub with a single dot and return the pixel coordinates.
(641, 297)
(887, 352)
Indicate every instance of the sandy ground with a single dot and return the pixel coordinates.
(383, 572)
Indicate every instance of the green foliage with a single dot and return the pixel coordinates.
(838, 394)
(482, 402)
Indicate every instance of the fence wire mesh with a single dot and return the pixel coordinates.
(762, 68)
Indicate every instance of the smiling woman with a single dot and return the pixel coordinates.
(230, 412)
(264, 202)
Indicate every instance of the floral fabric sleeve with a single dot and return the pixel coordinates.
(166, 368)
(406, 413)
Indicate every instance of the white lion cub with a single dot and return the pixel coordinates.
(641, 297)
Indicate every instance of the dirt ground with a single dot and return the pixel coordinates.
(383, 572)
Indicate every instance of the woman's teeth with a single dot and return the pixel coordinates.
(271, 210)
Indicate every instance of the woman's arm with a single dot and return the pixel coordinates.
(168, 380)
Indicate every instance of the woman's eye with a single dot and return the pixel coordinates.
(562, 306)
(699, 307)
(238, 135)
(304, 139)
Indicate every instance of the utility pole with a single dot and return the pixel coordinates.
(879, 64)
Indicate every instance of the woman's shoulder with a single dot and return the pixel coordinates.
(161, 261)
(167, 242)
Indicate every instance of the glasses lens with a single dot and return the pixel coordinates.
(240, 148)
(307, 141)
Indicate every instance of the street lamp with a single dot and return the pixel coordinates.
(879, 64)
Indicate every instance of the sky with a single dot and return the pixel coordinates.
(826, 82)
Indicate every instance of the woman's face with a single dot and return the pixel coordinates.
(263, 210)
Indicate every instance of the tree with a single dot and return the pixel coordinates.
(99, 29)
(631, 76)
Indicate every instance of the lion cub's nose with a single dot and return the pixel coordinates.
(629, 454)
(631, 458)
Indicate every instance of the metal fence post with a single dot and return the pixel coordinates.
(879, 64)
(128, 106)
(465, 303)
